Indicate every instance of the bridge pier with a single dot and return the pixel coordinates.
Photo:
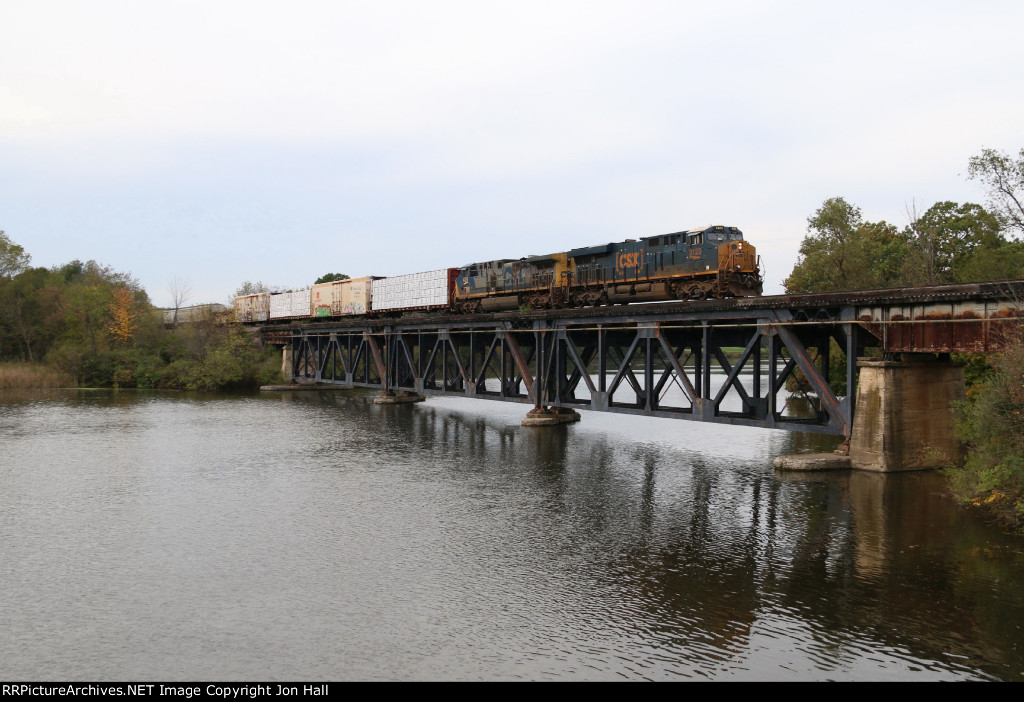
(388, 397)
(287, 359)
(905, 415)
(550, 416)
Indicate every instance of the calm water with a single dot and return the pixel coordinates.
(319, 536)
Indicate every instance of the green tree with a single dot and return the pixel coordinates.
(26, 323)
(330, 278)
(843, 252)
(1003, 260)
(1003, 177)
(13, 259)
(946, 239)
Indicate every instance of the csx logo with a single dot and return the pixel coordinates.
(628, 260)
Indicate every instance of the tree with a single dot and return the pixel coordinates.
(949, 242)
(1004, 178)
(251, 288)
(122, 324)
(180, 290)
(82, 295)
(24, 314)
(330, 278)
(13, 259)
(843, 252)
(1001, 260)
(944, 241)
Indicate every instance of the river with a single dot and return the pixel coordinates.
(317, 536)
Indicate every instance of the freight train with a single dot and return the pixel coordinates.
(703, 263)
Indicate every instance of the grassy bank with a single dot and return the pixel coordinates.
(30, 376)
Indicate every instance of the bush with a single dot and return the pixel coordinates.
(991, 424)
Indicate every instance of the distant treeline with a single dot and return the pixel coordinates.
(95, 327)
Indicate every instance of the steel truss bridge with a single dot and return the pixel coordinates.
(725, 361)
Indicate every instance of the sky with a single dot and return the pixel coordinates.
(219, 142)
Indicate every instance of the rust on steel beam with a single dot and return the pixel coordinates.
(378, 360)
(933, 331)
(520, 363)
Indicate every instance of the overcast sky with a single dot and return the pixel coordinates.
(219, 142)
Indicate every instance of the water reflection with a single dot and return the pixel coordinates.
(316, 535)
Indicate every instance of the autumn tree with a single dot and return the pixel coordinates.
(123, 315)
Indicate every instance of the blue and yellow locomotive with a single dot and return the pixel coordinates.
(710, 262)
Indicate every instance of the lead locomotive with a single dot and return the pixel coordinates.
(712, 262)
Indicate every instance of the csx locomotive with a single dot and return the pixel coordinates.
(711, 262)
(703, 263)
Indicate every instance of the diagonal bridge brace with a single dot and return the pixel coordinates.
(829, 402)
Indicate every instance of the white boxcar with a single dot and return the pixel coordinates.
(414, 291)
(289, 304)
(253, 308)
(342, 297)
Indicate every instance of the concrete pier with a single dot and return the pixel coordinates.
(286, 362)
(905, 418)
(550, 416)
(390, 398)
(812, 462)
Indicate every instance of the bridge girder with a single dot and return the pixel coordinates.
(728, 361)
(729, 368)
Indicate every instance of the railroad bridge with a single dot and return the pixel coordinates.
(733, 361)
